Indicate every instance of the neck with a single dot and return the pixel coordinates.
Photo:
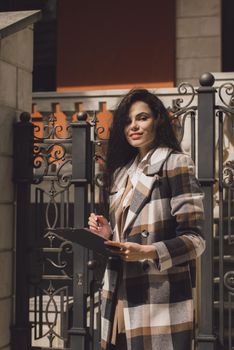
(143, 152)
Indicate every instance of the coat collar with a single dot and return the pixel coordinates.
(157, 159)
(144, 185)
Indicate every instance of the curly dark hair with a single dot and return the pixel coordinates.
(119, 151)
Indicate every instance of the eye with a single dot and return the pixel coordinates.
(143, 117)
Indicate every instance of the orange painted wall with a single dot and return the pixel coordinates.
(115, 44)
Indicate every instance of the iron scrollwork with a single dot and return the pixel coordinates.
(182, 110)
(229, 280)
(184, 89)
(228, 90)
(228, 174)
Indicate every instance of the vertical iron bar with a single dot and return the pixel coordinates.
(80, 177)
(66, 316)
(206, 174)
(23, 174)
(229, 321)
(67, 209)
(91, 314)
(40, 313)
(193, 136)
(91, 272)
(99, 313)
(62, 210)
(221, 248)
(62, 323)
(35, 312)
(229, 214)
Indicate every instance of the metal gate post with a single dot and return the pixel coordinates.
(23, 175)
(81, 175)
(206, 175)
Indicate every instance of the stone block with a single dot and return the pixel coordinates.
(194, 67)
(7, 84)
(6, 184)
(198, 47)
(191, 8)
(6, 274)
(198, 27)
(24, 90)
(5, 321)
(7, 118)
(17, 49)
(6, 226)
(193, 82)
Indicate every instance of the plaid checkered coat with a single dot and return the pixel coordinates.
(167, 211)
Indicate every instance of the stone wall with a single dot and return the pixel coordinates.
(198, 39)
(16, 59)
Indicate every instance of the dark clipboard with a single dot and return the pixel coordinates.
(88, 239)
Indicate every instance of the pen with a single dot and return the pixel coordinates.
(97, 221)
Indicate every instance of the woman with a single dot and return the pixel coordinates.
(156, 216)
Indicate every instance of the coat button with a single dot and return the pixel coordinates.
(145, 234)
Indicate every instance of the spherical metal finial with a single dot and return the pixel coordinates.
(207, 79)
(25, 117)
(92, 264)
(82, 116)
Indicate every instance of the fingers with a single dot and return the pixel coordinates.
(92, 225)
(128, 251)
(97, 220)
(93, 222)
(115, 252)
(115, 244)
(116, 248)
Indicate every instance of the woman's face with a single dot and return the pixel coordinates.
(140, 127)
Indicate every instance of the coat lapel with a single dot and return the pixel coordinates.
(117, 190)
(145, 184)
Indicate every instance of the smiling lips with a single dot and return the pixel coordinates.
(136, 135)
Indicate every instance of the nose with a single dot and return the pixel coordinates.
(134, 124)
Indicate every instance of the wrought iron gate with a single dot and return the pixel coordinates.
(58, 173)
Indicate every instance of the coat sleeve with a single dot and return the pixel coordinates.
(187, 208)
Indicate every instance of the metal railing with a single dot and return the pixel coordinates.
(58, 295)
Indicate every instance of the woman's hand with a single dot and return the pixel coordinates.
(129, 251)
(99, 225)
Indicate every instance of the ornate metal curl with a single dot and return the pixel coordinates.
(45, 156)
(229, 280)
(64, 176)
(228, 174)
(66, 248)
(229, 90)
(37, 128)
(99, 157)
(51, 130)
(61, 264)
(52, 204)
(94, 119)
(99, 180)
(181, 119)
(184, 89)
(51, 294)
(49, 153)
(69, 131)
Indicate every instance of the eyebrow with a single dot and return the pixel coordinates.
(142, 113)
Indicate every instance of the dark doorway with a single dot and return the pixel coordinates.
(228, 36)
